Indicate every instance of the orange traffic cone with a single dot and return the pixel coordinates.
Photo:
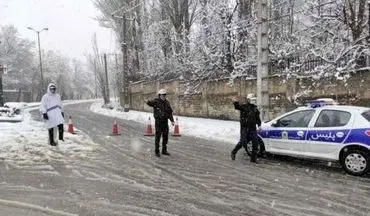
(176, 132)
(149, 130)
(115, 129)
(70, 126)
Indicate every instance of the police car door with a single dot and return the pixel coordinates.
(329, 131)
(288, 134)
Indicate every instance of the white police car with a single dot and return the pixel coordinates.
(321, 131)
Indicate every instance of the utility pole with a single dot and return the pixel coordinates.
(96, 86)
(116, 59)
(126, 106)
(263, 97)
(368, 20)
(1, 85)
(291, 8)
(126, 8)
(368, 37)
(118, 80)
(106, 78)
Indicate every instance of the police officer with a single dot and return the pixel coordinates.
(162, 113)
(249, 118)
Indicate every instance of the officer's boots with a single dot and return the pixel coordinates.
(164, 151)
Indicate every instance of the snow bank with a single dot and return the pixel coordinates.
(226, 131)
(26, 143)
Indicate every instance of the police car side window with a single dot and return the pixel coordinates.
(297, 119)
(366, 115)
(333, 118)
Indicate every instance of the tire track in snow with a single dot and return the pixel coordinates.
(117, 149)
(33, 207)
(274, 184)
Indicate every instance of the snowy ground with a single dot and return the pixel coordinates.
(24, 148)
(226, 131)
(93, 173)
(26, 143)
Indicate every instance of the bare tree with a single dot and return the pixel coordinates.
(96, 64)
(181, 18)
(112, 17)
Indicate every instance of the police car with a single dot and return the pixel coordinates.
(321, 130)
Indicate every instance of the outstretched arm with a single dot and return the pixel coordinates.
(236, 103)
(237, 106)
(150, 103)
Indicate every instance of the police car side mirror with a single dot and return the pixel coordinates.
(274, 124)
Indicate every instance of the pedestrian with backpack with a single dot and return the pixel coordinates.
(249, 119)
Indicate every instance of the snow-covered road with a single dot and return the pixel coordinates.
(120, 176)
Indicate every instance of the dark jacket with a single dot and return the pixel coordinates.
(249, 115)
(162, 110)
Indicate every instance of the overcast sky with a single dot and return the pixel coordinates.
(70, 22)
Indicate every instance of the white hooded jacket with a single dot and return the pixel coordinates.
(51, 104)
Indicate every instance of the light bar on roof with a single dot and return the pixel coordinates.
(316, 103)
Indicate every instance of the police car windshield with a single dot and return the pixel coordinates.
(366, 115)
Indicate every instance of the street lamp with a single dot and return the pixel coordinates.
(38, 39)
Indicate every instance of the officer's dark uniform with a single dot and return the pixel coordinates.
(162, 112)
(249, 118)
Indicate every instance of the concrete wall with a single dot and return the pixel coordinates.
(213, 99)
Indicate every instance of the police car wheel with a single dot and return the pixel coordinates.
(260, 148)
(355, 162)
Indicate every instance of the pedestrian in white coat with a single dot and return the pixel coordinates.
(52, 111)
